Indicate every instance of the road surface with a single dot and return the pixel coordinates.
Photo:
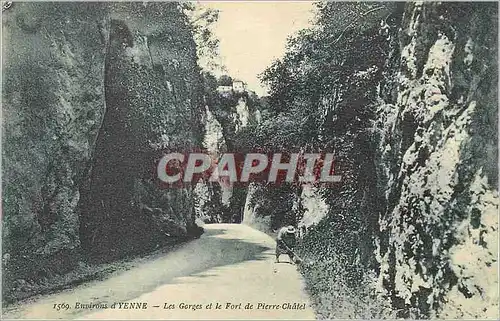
(215, 277)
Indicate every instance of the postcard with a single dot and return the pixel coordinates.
(249, 160)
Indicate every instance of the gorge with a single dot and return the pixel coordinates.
(404, 96)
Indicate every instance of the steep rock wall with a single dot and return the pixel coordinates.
(53, 106)
(415, 135)
(437, 165)
(233, 112)
(93, 93)
(154, 105)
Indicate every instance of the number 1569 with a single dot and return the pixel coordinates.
(60, 306)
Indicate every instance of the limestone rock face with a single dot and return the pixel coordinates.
(153, 106)
(437, 165)
(53, 106)
(93, 93)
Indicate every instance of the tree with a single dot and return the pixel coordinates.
(202, 20)
(225, 80)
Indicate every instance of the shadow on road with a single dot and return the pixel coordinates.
(230, 266)
(216, 248)
(200, 258)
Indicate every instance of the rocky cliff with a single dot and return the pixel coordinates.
(230, 115)
(406, 97)
(92, 94)
(154, 104)
(437, 164)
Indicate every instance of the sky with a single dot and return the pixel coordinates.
(253, 34)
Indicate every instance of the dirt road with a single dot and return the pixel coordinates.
(229, 273)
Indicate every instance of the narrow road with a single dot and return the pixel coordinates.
(230, 267)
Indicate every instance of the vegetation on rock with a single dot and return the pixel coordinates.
(93, 94)
(405, 96)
